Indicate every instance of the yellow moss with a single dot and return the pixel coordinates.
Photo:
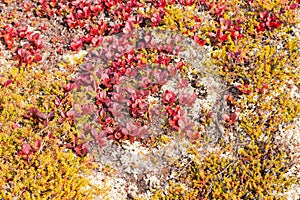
(52, 171)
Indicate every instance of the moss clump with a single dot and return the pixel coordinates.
(35, 163)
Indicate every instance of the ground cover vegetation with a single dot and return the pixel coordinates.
(254, 46)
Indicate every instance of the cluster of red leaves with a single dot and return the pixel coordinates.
(245, 89)
(84, 14)
(138, 103)
(38, 116)
(174, 116)
(179, 122)
(8, 33)
(225, 28)
(268, 21)
(81, 149)
(112, 96)
(62, 105)
(28, 149)
(29, 52)
(6, 83)
(169, 97)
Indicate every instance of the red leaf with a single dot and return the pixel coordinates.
(38, 58)
(187, 99)
(41, 115)
(265, 86)
(233, 117)
(96, 8)
(220, 10)
(31, 36)
(35, 36)
(32, 111)
(193, 135)
(69, 146)
(51, 115)
(186, 2)
(22, 52)
(29, 59)
(240, 36)
(263, 15)
(9, 40)
(43, 27)
(15, 126)
(293, 6)
(23, 29)
(63, 114)
(276, 24)
(94, 31)
(118, 135)
(202, 42)
(75, 45)
(39, 43)
(59, 50)
(68, 87)
(199, 41)
(212, 34)
(88, 38)
(7, 83)
(22, 34)
(81, 149)
(78, 151)
(169, 97)
(26, 148)
(50, 136)
(131, 139)
(98, 42)
(224, 38)
(86, 11)
(57, 101)
(155, 18)
(37, 144)
(26, 116)
(128, 27)
(226, 117)
(261, 26)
